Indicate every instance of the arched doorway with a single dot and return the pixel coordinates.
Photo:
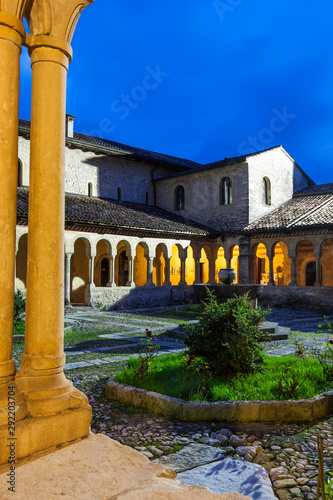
(80, 271)
(281, 265)
(310, 273)
(105, 271)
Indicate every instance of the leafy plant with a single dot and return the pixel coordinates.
(228, 336)
(325, 357)
(142, 365)
(19, 306)
(294, 376)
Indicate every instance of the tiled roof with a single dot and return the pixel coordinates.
(320, 189)
(301, 212)
(121, 215)
(104, 146)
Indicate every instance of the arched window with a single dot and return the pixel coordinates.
(226, 191)
(90, 189)
(266, 191)
(119, 194)
(179, 198)
(19, 174)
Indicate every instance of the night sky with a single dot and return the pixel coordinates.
(203, 79)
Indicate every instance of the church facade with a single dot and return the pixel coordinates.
(142, 227)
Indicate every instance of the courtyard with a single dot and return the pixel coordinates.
(98, 343)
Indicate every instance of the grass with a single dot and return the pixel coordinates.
(194, 309)
(19, 327)
(170, 376)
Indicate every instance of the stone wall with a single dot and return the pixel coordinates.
(202, 196)
(155, 296)
(296, 296)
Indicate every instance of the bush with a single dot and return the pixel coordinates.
(19, 306)
(228, 336)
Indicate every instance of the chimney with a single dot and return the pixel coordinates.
(70, 125)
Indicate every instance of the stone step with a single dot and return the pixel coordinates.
(276, 332)
(268, 327)
(282, 333)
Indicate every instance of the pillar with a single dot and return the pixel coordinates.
(293, 266)
(244, 262)
(270, 255)
(130, 272)
(150, 267)
(197, 279)
(111, 282)
(317, 253)
(182, 281)
(167, 281)
(11, 38)
(68, 257)
(211, 270)
(41, 378)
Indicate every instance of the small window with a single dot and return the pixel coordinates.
(90, 189)
(179, 198)
(19, 174)
(226, 191)
(266, 191)
(119, 194)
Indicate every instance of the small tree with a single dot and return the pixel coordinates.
(228, 336)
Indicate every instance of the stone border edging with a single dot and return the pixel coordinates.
(303, 410)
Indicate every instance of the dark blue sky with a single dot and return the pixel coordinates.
(204, 79)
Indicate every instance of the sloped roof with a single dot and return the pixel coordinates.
(122, 216)
(302, 212)
(104, 146)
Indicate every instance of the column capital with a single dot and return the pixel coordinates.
(50, 47)
(11, 29)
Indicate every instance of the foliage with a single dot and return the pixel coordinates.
(328, 484)
(172, 375)
(294, 376)
(19, 306)
(228, 336)
(142, 365)
(325, 357)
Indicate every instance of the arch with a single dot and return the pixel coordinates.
(234, 260)
(21, 262)
(190, 266)
(281, 264)
(90, 189)
(175, 264)
(327, 262)
(260, 264)
(159, 267)
(179, 198)
(266, 191)
(204, 265)
(226, 191)
(101, 268)
(121, 264)
(19, 174)
(140, 264)
(220, 262)
(305, 255)
(79, 271)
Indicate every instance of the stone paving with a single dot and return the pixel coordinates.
(287, 452)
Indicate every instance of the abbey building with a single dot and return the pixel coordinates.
(142, 227)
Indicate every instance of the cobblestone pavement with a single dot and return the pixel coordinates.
(288, 452)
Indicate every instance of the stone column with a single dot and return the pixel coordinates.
(111, 282)
(211, 271)
(293, 281)
(197, 271)
(130, 272)
(270, 255)
(182, 281)
(11, 36)
(41, 377)
(244, 262)
(150, 268)
(167, 281)
(317, 253)
(68, 278)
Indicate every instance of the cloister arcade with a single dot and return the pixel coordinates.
(117, 262)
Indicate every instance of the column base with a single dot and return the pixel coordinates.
(9, 396)
(167, 283)
(149, 284)
(34, 435)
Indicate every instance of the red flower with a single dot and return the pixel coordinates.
(330, 341)
(148, 333)
(191, 358)
(299, 353)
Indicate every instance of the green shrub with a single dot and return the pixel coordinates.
(228, 336)
(19, 306)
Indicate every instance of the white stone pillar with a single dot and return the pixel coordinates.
(111, 283)
(150, 268)
(68, 256)
(130, 272)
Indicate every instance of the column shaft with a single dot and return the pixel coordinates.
(130, 272)
(167, 281)
(293, 281)
(68, 278)
(150, 268)
(318, 268)
(271, 271)
(111, 282)
(11, 33)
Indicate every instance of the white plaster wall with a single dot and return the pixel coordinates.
(24, 157)
(283, 175)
